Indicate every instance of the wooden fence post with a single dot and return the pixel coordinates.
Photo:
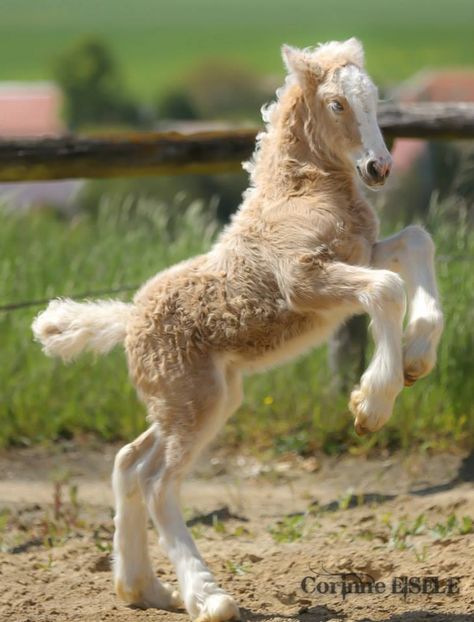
(346, 353)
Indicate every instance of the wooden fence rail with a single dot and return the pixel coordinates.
(172, 153)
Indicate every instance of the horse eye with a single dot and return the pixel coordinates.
(336, 106)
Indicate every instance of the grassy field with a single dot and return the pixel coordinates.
(158, 43)
(290, 408)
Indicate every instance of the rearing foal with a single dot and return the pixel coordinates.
(300, 257)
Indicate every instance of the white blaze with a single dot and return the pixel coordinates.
(362, 96)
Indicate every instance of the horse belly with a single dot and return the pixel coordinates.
(319, 332)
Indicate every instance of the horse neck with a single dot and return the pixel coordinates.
(289, 159)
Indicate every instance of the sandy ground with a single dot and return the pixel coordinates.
(338, 522)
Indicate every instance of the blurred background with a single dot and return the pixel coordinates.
(102, 67)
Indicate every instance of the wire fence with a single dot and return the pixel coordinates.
(37, 302)
(24, 304)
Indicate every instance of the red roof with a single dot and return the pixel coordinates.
(30, 109)
(447, 85)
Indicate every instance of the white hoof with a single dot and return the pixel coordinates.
(149, 594)
(371, 410)
(419, 353)
(175, 600)
(218, 608)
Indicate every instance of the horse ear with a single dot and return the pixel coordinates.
(295, 60)
(299, 63)
(355, 51)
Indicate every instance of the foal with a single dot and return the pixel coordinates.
(299, 257)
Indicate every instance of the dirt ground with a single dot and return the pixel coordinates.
(346, 524)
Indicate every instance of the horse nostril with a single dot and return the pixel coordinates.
(373, 170)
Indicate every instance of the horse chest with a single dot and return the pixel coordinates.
(358, 234)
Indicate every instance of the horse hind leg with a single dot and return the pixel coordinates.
(134, 579)
(187, 428)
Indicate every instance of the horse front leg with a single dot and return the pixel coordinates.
(344, 290)
(411, 253)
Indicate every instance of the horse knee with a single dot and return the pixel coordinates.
(419, 240)
(385, 293)
(123, 475)
(127, 460)
(124, 458)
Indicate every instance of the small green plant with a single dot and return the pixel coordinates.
(103, 547)
(200, 531)
(345, 499)
(240, 531)
(421, 554)
(5, 516)
(467, 525)
(453, 527)
(367, 534)
(197, 531)
(289, 529)
(237, 568)
(59, 522)
(102, 537)
(348, 498)
(401, 530)
(218, 525)
(46, 565)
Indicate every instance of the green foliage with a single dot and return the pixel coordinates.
(92, 85)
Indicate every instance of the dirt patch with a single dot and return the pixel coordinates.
(346, 524)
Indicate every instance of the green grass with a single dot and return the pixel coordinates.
(158, 43)
(44, 256)
(288, 409)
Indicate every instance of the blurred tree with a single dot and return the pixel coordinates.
(222, 90)
(217, 90)
(93, 87)
(176, 104)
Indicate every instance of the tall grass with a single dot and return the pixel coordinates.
(291, 408)
(45, 256)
